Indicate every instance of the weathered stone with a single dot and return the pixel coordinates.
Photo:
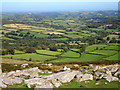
(2, 85)
(114, 69)
(111, 78)
(45, 84)
(66, 68)
(34, 81)
(32, 72)
(83, 77)
(10, 74)
(24, 65)
(11, 81)
(95, 68)
(8, 81)
(117, 74)
(67, 77)
(56, 83)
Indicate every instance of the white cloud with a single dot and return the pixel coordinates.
(60, 0)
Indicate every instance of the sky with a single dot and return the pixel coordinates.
(57, 5)
(60, 0)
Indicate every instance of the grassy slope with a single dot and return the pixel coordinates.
(33, 56)
(48, 52)
(70, 54)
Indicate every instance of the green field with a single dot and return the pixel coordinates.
(48, 52)
(83, 58)
(93, 47)
(70, 54)
(113, 47)
(33, 56)
(17, 52)
(104, 52)
(114, 57)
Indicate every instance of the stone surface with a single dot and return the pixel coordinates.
(114, 69)
(34, 81)
(111, 78)
(11, 81)
(56, 83)
(84, 77)
(2, 85)
(32, 72)
(45, 84)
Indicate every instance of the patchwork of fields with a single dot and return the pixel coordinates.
(103, 52)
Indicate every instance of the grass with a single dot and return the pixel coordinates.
(70, 54)
(15, 61)
(114, 44)
(75, 49)
(45, 73)
(83, 58)
(33, 57)
(19, 86)
(59, 38)
(48, 52)
(114, 57)
(104, 52)
(74, 84)
(6, 38)
(91, 84)
(113, 47)
(18, 52)
(93, 47)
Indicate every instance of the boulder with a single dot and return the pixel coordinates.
(32, 72)
(24, 65)
(111, 78)
(2, 85)
(45, 84)
(67, 76)
(63, 77)
(83, 77)
(66, 68)
(11, 81)
(34, 81)
(114, 69)
(56, 83)
(117, 73)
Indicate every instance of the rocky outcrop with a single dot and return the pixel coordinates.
(11, 81)
(56, 79)
(83, 77)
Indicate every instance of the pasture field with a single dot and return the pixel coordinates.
(104, 52)
(114, 57)
(18, 52)
(70, 54)
(93, 47)
(59, 39)
(83, 58)
(33, 57)
(48, 52)
(112, 47)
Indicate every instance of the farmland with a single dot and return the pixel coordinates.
(65, 37)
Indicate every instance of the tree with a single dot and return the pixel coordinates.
(10, 51)
(53, 48)
(82, 49)
(30, 50)
(108, 38)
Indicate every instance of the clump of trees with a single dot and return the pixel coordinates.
(53, 48)
(30, 50)
(8, 51)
